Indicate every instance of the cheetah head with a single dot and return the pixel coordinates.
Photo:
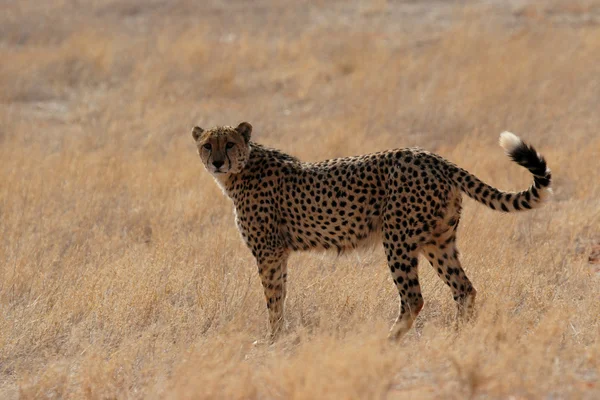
(223, 149)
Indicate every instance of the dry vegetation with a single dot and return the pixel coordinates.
(122, 274)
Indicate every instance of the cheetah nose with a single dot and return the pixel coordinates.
(218, 164)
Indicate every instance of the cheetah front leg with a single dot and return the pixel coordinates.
(272, 269)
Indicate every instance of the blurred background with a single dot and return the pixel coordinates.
(122, 274)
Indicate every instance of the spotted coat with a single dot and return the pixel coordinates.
(408, 199)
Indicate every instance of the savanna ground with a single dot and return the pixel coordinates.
(123, 276)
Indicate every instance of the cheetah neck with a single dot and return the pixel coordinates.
(223, 180)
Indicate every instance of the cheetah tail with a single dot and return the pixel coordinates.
(526, 156)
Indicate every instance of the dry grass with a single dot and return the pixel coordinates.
(122, 274)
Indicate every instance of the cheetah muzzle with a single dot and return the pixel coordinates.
(408, 199)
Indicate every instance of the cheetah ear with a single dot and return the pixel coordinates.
(244, 129)
(196, 132)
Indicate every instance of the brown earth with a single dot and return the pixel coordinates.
(122, 274)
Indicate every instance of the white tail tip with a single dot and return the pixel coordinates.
(509, 141)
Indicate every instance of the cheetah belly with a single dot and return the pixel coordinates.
(338, 218)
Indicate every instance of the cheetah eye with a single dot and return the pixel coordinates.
(208, 146)
(229, 145)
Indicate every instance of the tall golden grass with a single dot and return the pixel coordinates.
(122, 274)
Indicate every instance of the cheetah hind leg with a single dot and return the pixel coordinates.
(404, 268)
(444, 259)
(405, 319)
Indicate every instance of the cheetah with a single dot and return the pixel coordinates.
(408, 199)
